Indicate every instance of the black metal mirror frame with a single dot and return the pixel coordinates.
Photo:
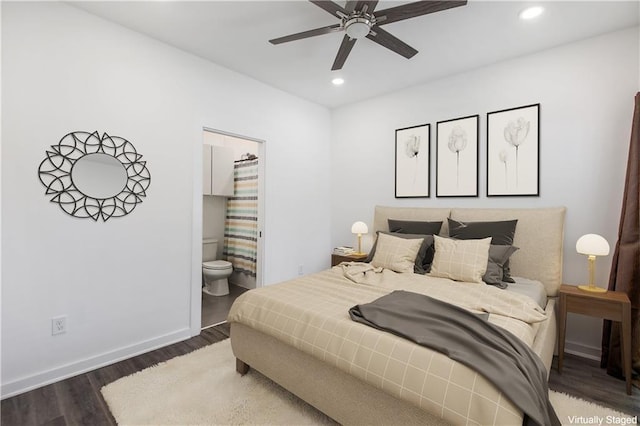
(55, 174)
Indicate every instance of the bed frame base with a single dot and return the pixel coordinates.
(241, 367)
(342, 397)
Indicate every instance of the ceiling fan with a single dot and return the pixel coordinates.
(359, 20)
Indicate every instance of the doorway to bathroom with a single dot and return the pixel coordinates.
(232, 220)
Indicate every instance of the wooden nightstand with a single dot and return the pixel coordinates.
(337, 259)
(612, 305)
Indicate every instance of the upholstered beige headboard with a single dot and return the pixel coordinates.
(539, 235)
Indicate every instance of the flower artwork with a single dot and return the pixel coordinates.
(412, 162)
(457, 142)
(412, 144)
(513, 151)
(504, 158)
(515, 133)
(457, 157)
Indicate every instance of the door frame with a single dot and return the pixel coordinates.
(196, 228)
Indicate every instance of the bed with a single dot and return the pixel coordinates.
(299, 334)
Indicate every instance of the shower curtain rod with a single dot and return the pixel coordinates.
(251, 158)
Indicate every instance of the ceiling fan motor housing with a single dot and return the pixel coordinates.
(359, 26)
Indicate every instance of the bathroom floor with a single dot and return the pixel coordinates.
(216, 308)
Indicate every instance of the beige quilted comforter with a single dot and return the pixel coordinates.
(311, 314)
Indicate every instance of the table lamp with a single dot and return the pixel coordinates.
(592, 245)
(359, 228)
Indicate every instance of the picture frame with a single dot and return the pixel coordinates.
(513, 152)
(457, 157)
(412, 158)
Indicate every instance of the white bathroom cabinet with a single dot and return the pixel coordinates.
(217, 170)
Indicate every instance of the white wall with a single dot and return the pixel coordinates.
(586, 91)
(130, 284)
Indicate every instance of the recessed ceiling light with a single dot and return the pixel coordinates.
(337, 81)
(531, 12)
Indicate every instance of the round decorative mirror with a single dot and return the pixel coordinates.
(93, 176)
(99, 175)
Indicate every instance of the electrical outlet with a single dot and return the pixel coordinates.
(300, 269)
(58, 325)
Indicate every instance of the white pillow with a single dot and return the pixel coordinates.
(460, 260)
(397, 254)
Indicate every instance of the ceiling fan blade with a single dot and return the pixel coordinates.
(343, 52)
(330, 7)
(371, 5)
(305, 34)
(406, 11)
(383, 38)
(351, 5)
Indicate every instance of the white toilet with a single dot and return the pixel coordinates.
(215, 272)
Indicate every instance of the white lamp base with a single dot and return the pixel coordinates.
(592, 288)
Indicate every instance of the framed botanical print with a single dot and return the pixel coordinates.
(513, 151)
(412, 162)
(457, 157)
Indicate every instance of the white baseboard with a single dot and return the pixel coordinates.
(53, 375)
(584, 351)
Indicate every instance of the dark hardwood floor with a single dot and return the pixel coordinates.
(78, 401)
(216, 308)
(585, 379)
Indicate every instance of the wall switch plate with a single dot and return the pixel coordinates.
(58, 325)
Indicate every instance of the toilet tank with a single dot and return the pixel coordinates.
(209, 249)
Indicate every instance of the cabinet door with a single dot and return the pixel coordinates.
(206, 170)
(222, 170)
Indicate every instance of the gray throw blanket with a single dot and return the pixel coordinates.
(469, 339)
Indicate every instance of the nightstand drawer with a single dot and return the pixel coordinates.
(606, 309)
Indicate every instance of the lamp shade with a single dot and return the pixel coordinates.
(359, 228)
(593, 245)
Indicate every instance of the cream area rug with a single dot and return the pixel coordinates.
(203, 388)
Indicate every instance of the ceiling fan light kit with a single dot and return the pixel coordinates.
(358, 20)
(357, 28)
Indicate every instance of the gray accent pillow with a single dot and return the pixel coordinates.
(498, 256)
(506, 273)
(425, 254)
(501, 232)
(414, 227)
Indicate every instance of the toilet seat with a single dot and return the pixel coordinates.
(217, 265)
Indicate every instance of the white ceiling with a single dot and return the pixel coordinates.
(235, 34)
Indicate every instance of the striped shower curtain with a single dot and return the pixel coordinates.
(241, 224)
